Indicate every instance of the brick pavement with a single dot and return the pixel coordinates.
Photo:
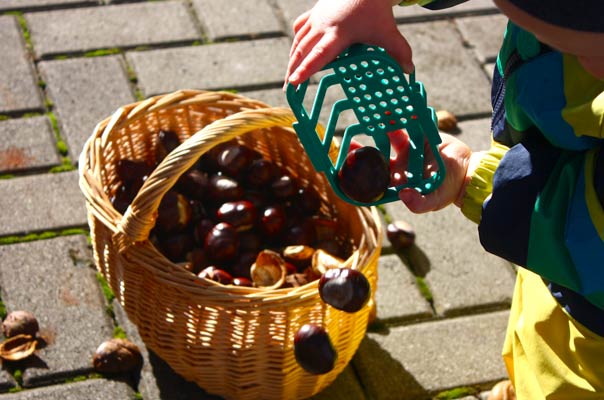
(442, 305)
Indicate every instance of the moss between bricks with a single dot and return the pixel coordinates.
(456, 393)
(41, 236)
(24, 27)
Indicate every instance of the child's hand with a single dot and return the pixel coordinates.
(457, 158)
(331, 26)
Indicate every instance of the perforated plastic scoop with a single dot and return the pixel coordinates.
(383, 101)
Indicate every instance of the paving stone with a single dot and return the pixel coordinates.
(397, 296)
(53, 280)
(211, 67)
(419, 360)
(484, 34)
(291, 9)
(128, 25)
(406, 13)
(97, 389)
(27, 143)
(85, 91)
(6, 381)
(41, 202)
(27, 5)
(18, 88)
(157, 379)
(448, 252)
(235, 19)
(453, 78)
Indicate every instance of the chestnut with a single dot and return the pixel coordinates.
(174, 212)
(242, 281)
(193, 184)
(273, 220)
(133, 170)
(301, 233)
(284, 187)
(345, 289)
(313, 349)
(240, 214)
(364, 175)
(235, 158)
(308, 201)
(222, 188)
(216, 274)
(261, 173)
(166, 142)
(400, 234)
(222, 243)
(20, 322)
(117, 356)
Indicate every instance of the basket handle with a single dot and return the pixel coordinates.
(139, 218)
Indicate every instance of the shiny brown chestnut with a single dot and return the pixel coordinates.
(216, 274)
(222, 243)
(345, 289)
(241, 214)
(313, 349)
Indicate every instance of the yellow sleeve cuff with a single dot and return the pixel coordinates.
(481, 183)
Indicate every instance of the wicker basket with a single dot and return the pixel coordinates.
(232, 341)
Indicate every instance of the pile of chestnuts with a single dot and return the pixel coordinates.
(238, 218)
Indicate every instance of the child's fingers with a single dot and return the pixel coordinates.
(300, 34)
(301, 20)
(299, 54)
(321, 53)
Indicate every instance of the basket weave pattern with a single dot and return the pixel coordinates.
(232, 341)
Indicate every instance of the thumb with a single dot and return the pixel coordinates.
(399, 49)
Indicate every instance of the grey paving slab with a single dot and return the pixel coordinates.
(97, 389)
(234, 65)
(484, 34)
(27, 143)
(236, 19)
(26, 5)
(448, 252)
(85, 91)
(453, 77)
(124, 26)
(417, 361)
(41, 202)
(291, 9)
(397, 296)
(49, 279)
(406, 13)
(19, 91)
(6, 381)
(157, 379)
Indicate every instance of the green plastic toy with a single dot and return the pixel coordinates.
(382, 101)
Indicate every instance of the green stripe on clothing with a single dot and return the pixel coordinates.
(547, 252)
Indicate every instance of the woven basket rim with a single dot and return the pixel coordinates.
(129, 113)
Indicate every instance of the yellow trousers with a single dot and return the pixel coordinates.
(547, 353)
